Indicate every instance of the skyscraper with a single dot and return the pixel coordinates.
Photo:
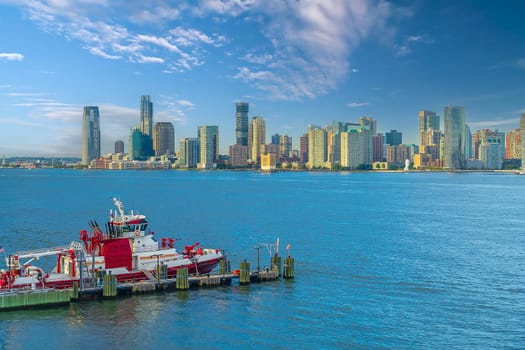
(90, 134)
(146, 115)
(209, 146)
(119, 146)
(189, 152)
(522, 131)
(317, 147)
(163, 138)
(393, 138)
(454, 143)
(427, 120)
(241, 123)
(259, 137)
(140, 145)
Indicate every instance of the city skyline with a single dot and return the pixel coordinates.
(296, 64)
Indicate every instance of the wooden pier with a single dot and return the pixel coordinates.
(110, 288)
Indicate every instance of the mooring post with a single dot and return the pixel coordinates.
(181, 282)
(288, 267)
(244, 277)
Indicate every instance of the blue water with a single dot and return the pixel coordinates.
(404, 261)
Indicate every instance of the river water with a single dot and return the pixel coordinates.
(382, 260)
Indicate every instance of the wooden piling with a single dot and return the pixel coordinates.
(109, 290)
(244, 277)
(182, 282)
(276, 264)
(74, 296)
(288, 271)
(224, 266)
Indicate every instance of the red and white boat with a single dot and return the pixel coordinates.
(126, 250)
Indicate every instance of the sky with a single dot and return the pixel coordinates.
(296, 62)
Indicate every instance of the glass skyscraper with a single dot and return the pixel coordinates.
(163, 138)
(209, 146)
(241, 123)
(454, 142)
(146, 115)
(90, 134)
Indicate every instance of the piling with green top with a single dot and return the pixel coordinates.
(182, 282)
(288, 271)
(276, 264)
(224, 266)
(109, 290)
(244, 277)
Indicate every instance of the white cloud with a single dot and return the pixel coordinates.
(300, 49)
(409, 42)
(357, 104)
(11, 56)
(496, 123)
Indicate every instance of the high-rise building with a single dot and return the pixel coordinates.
(522, 131)
(378, 146)
(317, 147)
(276, 139)
(90, 134)
(303, 148)
(141, 145)
(356, 148)
(513, 144)
(163, 138)
(188, 152)
(454, 142)
(285, 144)
(241, 123)
(370, 123)
(146, 115)
(427, 120)
(258, 137)
(209, 146)
(238, 155)
(119, 146)
(393, 138)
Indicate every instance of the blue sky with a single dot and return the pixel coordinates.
(296, 62)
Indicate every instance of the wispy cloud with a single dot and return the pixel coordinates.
(496, 123)
(407, 46)
(174, 109)
(11, 56)
(302, 49)
(357, 104)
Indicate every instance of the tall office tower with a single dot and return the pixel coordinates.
(454, 142)
(370, 123)
(317, 144)
(333, 147)
(356, 148)
(427, 120)
(241, 123)
(258, 137)
(276, 139)
(522, 131)
(513, 144)
(303, 148)
(285, 145)
(238, 155)
(90, 134)
(119, 146)
(393, 138)
(163, 138)
(146, 115)
(189, 152)
(209, 146)
(141, 145)
(378, 146)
